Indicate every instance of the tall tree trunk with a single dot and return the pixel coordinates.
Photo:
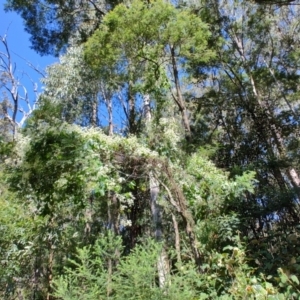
(131, 110)
(155, 208)
(178, 98)
(163, 262)
(94, 116)
(147, 109)
(110, 118)
(108, 102)
(156, 211)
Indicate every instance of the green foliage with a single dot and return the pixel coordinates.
(54, 24)
(13, 241)
(82, 211)
(47, 112)
(225, 276)
(289, 284)
(135, 42)
(88, 275)
(211, 189)
(66, 175)
(71, 89)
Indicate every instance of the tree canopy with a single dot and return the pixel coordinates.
(52, 24)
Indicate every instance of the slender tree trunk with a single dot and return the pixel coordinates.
(109, 277)
(155, 208)
(113, 213)
(94, 120)
(291, 172)
(147, 109)
(180, 204)
(108, 102)
(177, 239)
(178, 98)
(15, 110)
(131, 110)
(110, 118)
(50, 270)
(156, 211)
(163, 262)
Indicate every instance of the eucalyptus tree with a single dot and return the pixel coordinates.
(71, 85)
(149, 47)
(253, 100)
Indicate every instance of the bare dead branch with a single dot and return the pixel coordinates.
(14, 92)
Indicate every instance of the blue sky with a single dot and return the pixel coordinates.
(11, 25)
